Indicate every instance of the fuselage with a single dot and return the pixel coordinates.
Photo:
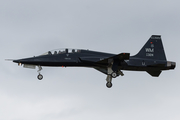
(86, 58)
(151, 58)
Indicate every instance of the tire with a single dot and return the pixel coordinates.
(109, 84)
(40, 77)
(114, 74)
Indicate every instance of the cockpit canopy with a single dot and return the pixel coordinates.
(62, 51)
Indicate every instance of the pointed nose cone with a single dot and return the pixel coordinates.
(16, 61)
(24, 61)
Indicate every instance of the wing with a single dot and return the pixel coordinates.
(114, 60)
(96, 60)
(102, 65)
(119, 57)
(101, 69)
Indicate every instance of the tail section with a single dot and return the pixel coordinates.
(153, 49)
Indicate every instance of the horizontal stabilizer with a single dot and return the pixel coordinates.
(154, 73)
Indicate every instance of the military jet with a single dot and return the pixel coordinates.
(151, 58)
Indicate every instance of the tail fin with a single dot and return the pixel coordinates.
(153, 49)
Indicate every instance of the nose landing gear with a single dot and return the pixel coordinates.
(40, 77)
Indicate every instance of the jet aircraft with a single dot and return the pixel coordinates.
(151, 58)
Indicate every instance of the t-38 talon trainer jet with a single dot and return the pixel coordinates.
(151, 58)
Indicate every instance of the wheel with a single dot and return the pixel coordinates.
(109, 84)
(114, 74)
(40, 77)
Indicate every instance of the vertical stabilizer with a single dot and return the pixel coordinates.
(153, 49)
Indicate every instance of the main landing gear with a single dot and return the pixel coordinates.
(109, 81)
(109, 84)
(112, 75)
(115, 74)
(40, 77)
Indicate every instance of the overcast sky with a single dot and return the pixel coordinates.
(32, 27)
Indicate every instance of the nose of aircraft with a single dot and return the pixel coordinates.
(16, 61)
(21, 61)
(24, 61)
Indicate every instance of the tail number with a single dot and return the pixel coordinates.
(149, 49)
(150, 52)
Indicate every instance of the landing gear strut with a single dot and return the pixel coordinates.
(112, 75)
(40, 77)
(109, 81)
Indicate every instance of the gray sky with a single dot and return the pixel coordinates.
(32, 27)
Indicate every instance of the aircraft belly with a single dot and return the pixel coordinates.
(51, 63)
(69, 63)
(143, 68)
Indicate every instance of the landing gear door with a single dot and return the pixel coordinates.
(29, 66)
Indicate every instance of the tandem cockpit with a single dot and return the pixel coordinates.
(62, 51)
